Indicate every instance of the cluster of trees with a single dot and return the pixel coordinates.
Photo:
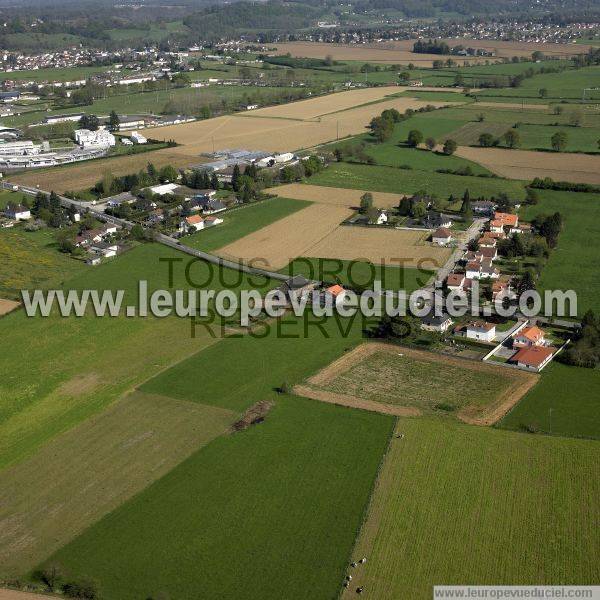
(354, 150)
(519, 245)
(549, 227)
(431, 47)
(54, 579)
(382, 127)
(547, 183)
(111, 185)
(584, 351)
(415, 138)
(48, 208)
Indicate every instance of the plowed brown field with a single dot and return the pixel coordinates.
(527, 164)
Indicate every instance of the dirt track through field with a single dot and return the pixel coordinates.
(527, 164)
(333, 196)
(17, 595)
(86, 472)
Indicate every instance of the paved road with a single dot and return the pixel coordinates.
(471, 233)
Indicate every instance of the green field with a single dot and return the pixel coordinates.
(77, 366)
(572, 262)
(268, 513)
(357, 274)
(62, 74)
(242, 221)
(457, 504)
(401, 181)
(567, 85)
(31, 260)
(566, 402)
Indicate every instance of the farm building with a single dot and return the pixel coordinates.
(295, 287)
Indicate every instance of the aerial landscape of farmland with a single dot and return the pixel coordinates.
(299, 300)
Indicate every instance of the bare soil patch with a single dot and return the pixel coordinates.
(6, 594)
(88, 471)
(528, 164)
(353, 402)
(391, 246)
(333, 196)
(80, 385)
(7, 306)
(275, 245)
(254, 415)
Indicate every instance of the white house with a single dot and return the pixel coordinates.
(197, 223)
(433, 322)
(17, 212)
(138, 138)
(481, 331)
(441, 236)
(382, 218)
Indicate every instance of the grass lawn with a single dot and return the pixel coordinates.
(401, 181)
(31, 260)
(358, 274)
(572, 264)
(62, 74)
(268, 513)
(258, 365)
(566, 401)
(242, 221)
(566, 85)
(77, 366)
(458, 504)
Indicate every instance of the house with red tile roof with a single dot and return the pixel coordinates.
(533, 358)
(529, 336)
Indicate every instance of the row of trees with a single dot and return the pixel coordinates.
(415, 138)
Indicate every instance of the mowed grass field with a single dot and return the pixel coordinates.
(565, 402)
(31, 260)
(425, 381)
(242, 221)
(359, 274)
(271, 512)
(79, 476)
(78, 366)
(572, 262)
(457, 504)
(401, 181)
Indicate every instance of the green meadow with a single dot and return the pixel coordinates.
(572, 264)
(459, 504)
(565, 402)
(404, 181)
(358, 274)
(269, 512)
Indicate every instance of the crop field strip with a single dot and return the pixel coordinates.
(455, 503)
(527, 164)
(83, 474)
(308, 469)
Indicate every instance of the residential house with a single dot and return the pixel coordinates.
(106, 250)
(119, 199)
(332, 293)
(481, 331)
(441, 236)
(435, 220)
(433, 322)
(481, 269)
(197, 223)
(502, 286)
(17, 212)
(207, 205)
(155, 216)
(455, 282)
(529, 336)
(533, 358)
(483, 207)
(382, 218)
(297, 286)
